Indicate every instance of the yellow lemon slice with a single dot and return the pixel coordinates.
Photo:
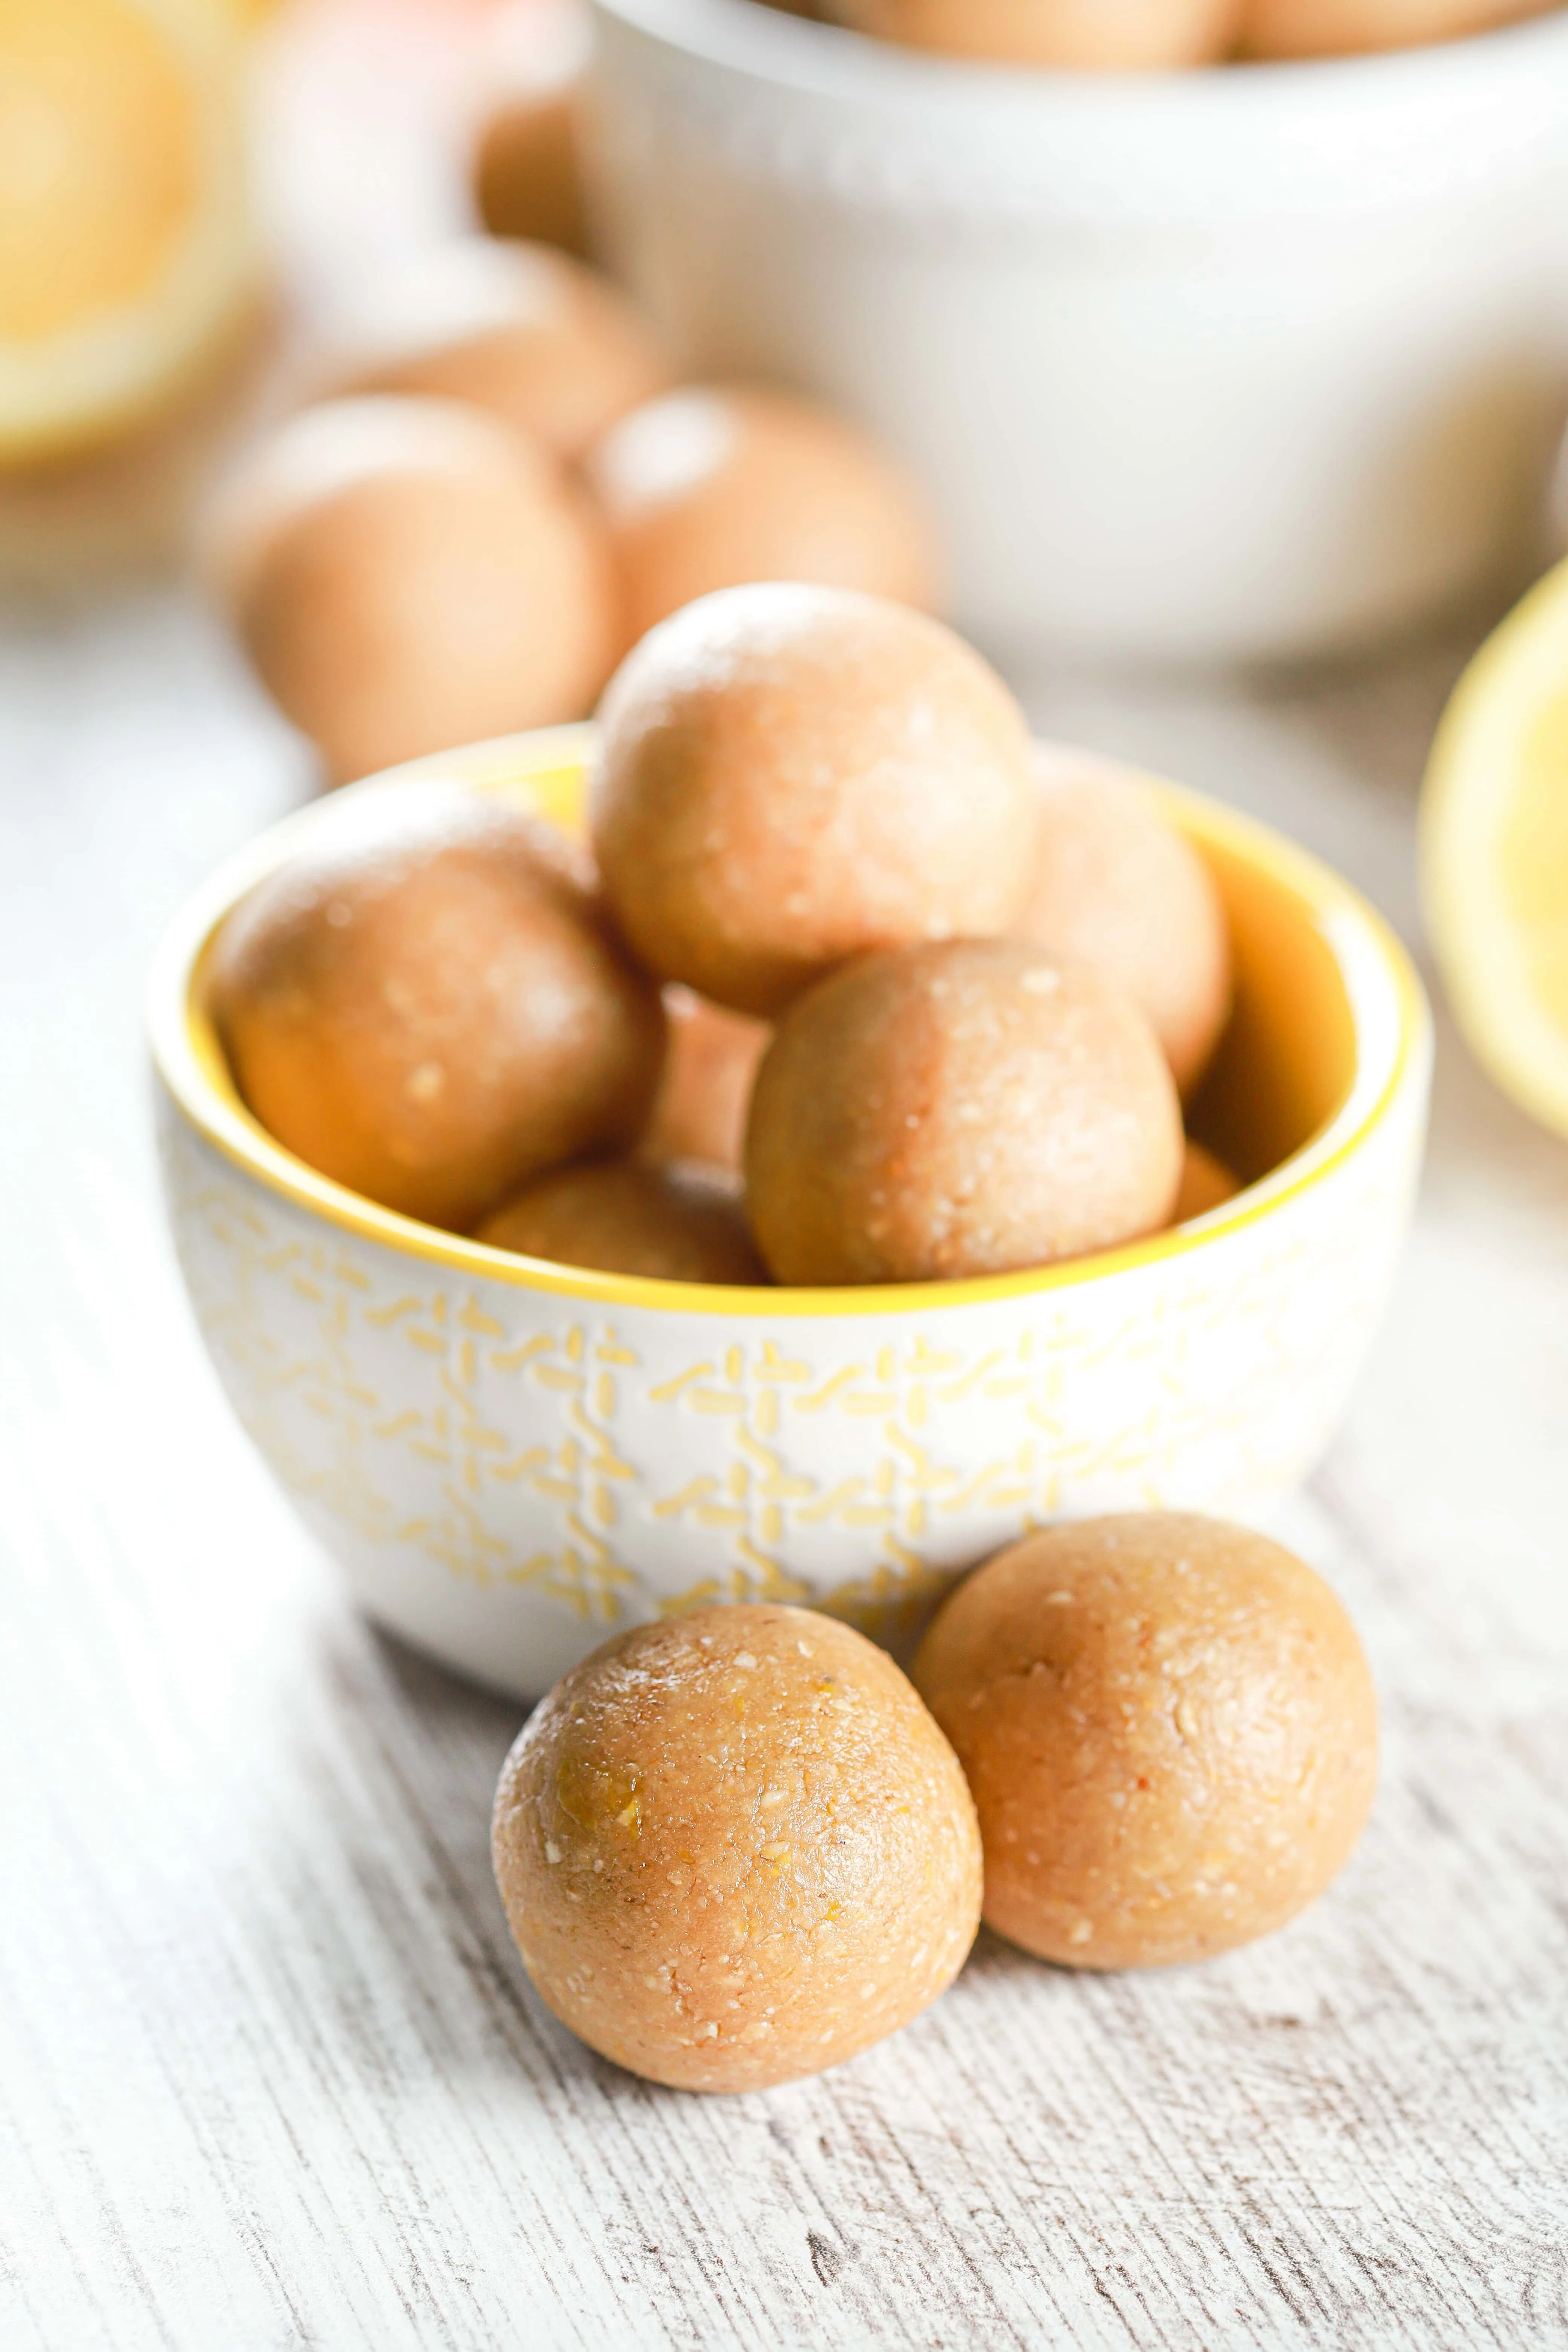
(126, 253)
(1494, 853)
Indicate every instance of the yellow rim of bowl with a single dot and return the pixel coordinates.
(1388, 1009)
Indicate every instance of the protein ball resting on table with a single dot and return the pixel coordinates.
(406, 575)
(544, 343)
(528, 181)
(427, 1006)
(791, 775)
(1170, 1731)
(734, 1849)
(712, 486)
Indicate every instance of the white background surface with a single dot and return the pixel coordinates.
(270, 2072)
(271, 2076)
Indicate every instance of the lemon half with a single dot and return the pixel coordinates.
(126, 257)
(1494, 853)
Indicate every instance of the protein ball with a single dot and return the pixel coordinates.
(1206, 1183)
(546, 344)
(527, 180)
(526, 88)
(679, 1223)
(1119, 891)
(425, 1005)
(709, 489)
(1170, 1731)
(734, 1849)
(708, 1073)
(791, 775)
(1319, 28)
(969, 1109)
(1126, 34)
(407, 575)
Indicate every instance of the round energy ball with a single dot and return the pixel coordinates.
(708, 1073)
(407, 575)
(426, 1005)
(1206, 1183)
(791, 775)
(711, 488)
(525, 85)
(528, 181)
(1321, 28)
(678, 1223)
(1170, 1731)
(938, 1112)
(1128, 34)
(1121, 892)
(546, 344)
(734, 1849)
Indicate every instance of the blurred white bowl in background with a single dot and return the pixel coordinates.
(1198, 366)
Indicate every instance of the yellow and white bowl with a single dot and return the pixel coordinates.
(508, 1459)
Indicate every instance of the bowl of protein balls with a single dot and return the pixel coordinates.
(1215, 328)
(777, 1146)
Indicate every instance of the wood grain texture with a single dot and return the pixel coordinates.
(269, 2073)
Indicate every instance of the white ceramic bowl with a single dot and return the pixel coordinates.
(1195, 366)
(510, 1459)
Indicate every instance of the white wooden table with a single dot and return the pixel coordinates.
(270, 2077)
(270, 2072)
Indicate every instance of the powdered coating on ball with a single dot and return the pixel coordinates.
(939, 1112)
(734, 1849)
(427, 1005)
(792, 775)
(673, 1224)
(713, 486)
(1117, 889)
(1170, 1731)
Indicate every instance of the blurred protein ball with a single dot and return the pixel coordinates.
(408, 575)
(543, 342)
(526, 175)
(717, 487)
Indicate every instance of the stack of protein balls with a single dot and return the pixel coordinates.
(843, 933)
(850, 991)
(497, 487)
